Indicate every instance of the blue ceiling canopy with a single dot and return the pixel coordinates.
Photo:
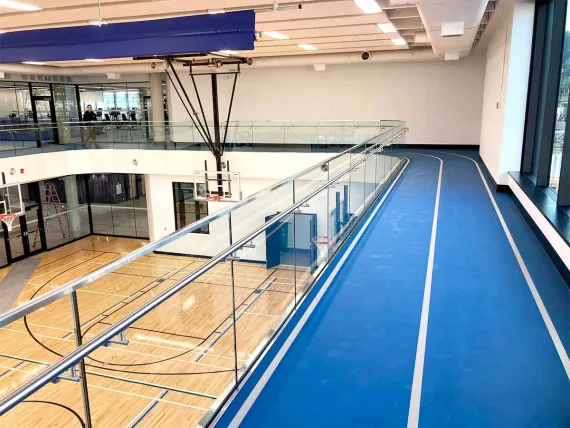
(191, 34)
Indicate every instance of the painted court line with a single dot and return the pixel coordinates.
(256, 391)
(138, 418)
(415, 398)
(132, 394)
(108, 376)
(538, 300)
(197, 350)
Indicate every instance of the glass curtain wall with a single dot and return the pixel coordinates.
(15, 109)
(118, 204)
(122, 110)
(66, 111)
(561, 109)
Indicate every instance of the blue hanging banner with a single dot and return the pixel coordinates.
(190, 34)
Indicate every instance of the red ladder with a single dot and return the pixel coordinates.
(52, 200)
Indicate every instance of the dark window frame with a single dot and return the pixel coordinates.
(542, 99)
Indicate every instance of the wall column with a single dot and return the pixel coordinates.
(72, 204)
(157, 107)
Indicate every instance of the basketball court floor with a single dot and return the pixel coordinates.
(179, 358)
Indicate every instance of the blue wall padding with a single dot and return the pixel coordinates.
(190, 34)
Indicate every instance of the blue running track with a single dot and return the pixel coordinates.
(490, 360)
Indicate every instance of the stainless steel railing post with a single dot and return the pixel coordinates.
(83, 372)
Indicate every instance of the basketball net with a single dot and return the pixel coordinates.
(322, 243)
(8, 219)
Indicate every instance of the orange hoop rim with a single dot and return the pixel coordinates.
(214, 198)
(321, 240)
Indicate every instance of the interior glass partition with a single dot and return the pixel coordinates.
(118, 204)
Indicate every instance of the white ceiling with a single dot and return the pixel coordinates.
(332, 26)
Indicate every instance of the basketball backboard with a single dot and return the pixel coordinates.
(206, 183)
(11, 199)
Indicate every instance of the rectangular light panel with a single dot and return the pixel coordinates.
(368, 6)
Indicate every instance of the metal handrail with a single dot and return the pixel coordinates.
(76, 284)
(166, 124)
(84, 350)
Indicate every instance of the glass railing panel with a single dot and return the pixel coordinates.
(379, 167)
(264, 280)
(35, 342)
(179, 356)
(369, 179)
(356, 192)
(339, 164)
(311, 181)
(303, 135)
(55, 405)
(255, 214)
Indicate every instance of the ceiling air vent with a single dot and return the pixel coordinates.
(452, 29)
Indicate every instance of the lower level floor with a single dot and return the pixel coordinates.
(179, 358)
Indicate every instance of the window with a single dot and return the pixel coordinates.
(561, 110)
(186, 209)
(543, 162)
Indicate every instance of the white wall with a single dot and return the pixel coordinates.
(440, 101)
(508, 43)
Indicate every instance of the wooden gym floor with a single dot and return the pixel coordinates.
(180, 357)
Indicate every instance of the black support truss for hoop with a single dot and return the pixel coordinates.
(215, 60)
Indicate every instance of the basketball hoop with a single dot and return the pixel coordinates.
(322, 243)
(321, 240)
(214, 198)
(8, 219)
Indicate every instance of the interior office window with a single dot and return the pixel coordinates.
(118, 205)
(561, 110)
(187, 210)
(65, 210)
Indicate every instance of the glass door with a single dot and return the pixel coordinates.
(42, 108)
(27, 236)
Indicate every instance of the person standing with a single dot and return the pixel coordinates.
(90, 116)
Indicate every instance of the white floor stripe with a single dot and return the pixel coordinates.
(538, 300)
(256, 391)
(416, 396)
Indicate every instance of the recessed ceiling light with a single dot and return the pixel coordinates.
(387, 28)
(308, 47)
(216, 11)
(33, 63)
(97, 22)
(94, 60)
(225, 52)
(399, 42)
(19, 6)
(368, 6)
(276, 35)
